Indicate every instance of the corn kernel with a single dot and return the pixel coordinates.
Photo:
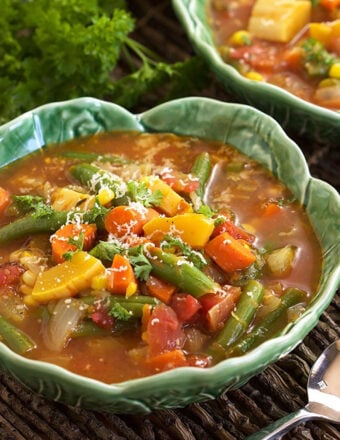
(334, 71)
(241, 38)
(255, 76)
(105, 195)
(99, 282)
(26, 290)
(131, 289)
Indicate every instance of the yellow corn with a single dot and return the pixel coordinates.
(255, 76)
(105, 195)
(30, 301)
(26, 290)
(334, 71)
(241, 38)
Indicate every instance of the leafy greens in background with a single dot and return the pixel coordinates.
(51, 50)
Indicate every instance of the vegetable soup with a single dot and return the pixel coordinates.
(125, 254)
(292, 44)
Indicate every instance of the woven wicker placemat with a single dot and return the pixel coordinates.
(278, 390)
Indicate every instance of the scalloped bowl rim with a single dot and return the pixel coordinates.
(230, 368)
(192, 22)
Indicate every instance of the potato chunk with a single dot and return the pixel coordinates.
(279, 20)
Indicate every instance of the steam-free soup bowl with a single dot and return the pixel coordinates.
(252, 132)
(298, 117)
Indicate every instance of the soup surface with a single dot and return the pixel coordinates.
(292, 44)
(127, 254)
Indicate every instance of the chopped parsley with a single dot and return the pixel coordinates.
(78, 242)
(139, 192)
(119, 312)
(140, 263)
(195, 257)
(317, 59)
(29, 203)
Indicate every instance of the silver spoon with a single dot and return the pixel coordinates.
(323, 396)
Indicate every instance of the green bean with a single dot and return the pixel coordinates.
(133, 304)
(15, 338)
(31, 224)
(291, 297)
(239, 321)
(96, 157)
(90, 328)
(181, 273)
(86, 174)
(202, 169)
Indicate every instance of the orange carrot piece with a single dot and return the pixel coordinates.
(330, 4)
(60, 239)
(230, 254)
(271, 209)
(120, 276)
(160, 289)
(5, 199)
(126, 220)
(167, 360)
(146, 316)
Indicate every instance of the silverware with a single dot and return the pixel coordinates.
(323, 396)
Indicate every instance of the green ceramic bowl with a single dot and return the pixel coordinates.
(255, 134)
(298, 117)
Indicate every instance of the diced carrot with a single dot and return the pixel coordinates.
(160, 289)
(127, 220)
(60, 239)
(235, 231)
(5, 199)
(167, 360)
(271, 209)
(230, 254)
(330, 4)
(121, 275)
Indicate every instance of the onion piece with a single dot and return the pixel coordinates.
(63, 320)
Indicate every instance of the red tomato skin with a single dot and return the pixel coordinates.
(10, 274)
(164, 331)
(185, 306)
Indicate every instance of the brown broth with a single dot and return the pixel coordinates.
(238, 184)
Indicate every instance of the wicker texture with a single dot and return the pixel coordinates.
(278, 390)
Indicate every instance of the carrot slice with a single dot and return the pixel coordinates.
(230, 254)
(160, 289)
(5, 199)
(167, 360)
(121, 276)
(127, 220)
(60, 239)
(271, 209)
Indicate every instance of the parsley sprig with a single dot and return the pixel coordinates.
(52, 50)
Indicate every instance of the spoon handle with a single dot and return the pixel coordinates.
(279, 427)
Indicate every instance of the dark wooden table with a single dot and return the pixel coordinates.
(278, 390)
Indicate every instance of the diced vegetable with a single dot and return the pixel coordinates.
(67, 279)
(186, 306)
(202, 169)
(70, 238)
(32, 225)
(171, 203)
(230, 254)
(15, 338)
(179, 272)
(160, 289)
(239, 320)
(219, 306)
(5, 199)
(62, 322)
(65, 199)
(234, 230)
(194, 229)
(126, 220)
(164, 331)
(121, 279)
(291, 297)
(279, 20)
(167, 360)
(280, 261)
